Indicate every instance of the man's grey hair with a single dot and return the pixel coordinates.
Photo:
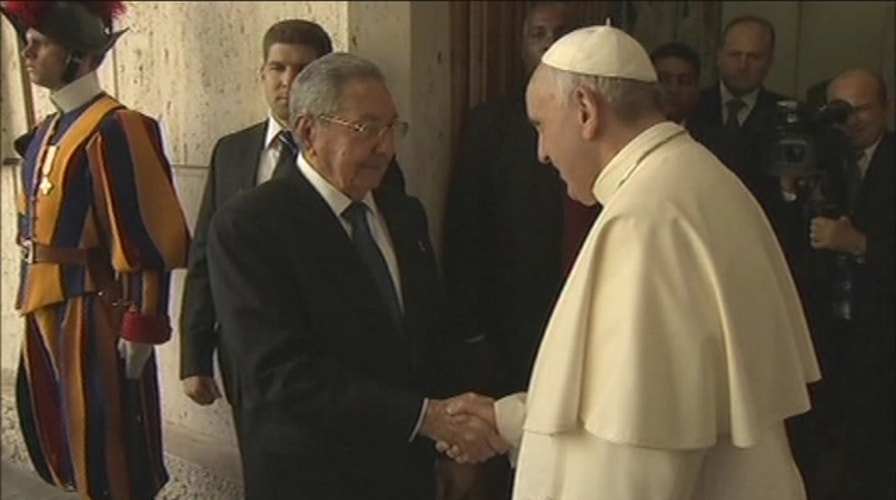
(317, 90)
(630, 100)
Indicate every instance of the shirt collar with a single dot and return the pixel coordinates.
(865, 161)
(274, 127)
(616, 171)
(76, 94)
(748, 99)
(869, 151)
(336, 199)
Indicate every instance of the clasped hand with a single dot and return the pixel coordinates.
(464, 428)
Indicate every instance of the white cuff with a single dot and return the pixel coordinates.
(510, 414)
(419, 419)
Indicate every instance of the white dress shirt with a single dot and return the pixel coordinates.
(270, 153)
(865, 159)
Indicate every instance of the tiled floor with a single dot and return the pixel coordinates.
(18, 483)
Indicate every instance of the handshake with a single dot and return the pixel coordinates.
(464, 428)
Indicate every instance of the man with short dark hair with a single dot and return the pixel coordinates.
(678, 69)
(240, 161)
(101, 227)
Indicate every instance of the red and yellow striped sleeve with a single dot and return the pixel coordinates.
(139, 210)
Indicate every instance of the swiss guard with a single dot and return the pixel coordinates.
(100, 228)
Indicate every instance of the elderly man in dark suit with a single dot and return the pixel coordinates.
(240, 161)
(330, 306)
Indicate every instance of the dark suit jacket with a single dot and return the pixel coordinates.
(503, 234)
(869, 369)
(746, 152)
(233, 169)
(329, 382)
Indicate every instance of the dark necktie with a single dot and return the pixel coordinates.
(356, 215)
(286, 162)
(733, 106)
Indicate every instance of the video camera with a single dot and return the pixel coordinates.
(807, 139)
(808, 144)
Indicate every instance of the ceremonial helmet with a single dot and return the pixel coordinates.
(83, 27)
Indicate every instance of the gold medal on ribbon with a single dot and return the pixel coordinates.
(45, 186)
(46, 168)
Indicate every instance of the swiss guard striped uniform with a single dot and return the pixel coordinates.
(100, 227)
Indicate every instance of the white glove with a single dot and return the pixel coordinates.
(135, 356)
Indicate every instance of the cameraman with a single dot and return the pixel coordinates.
(845, 446)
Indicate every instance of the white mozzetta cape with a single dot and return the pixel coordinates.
(680, 322)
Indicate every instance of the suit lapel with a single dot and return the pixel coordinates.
(410, 252)
(883, 155)
(404, 241)
(765, 104)
(330, 245)
(250, 154)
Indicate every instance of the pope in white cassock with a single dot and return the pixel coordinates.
(678, 345)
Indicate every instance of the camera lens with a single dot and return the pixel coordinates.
(794, 153)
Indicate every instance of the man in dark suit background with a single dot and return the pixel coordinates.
(240, 161)
(505, 253)
(737, 116)
(845, 446)
(330, 306)
(510, 232)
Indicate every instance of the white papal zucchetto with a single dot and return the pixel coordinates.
(601, 51)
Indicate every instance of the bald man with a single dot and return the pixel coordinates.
(846, 447)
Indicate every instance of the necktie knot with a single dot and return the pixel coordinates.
(733, 106)
(284, 137)
(356, 214)
(289, 150)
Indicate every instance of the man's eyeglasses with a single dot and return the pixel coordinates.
(370, 130)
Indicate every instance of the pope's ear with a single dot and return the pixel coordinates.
(587, 103)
